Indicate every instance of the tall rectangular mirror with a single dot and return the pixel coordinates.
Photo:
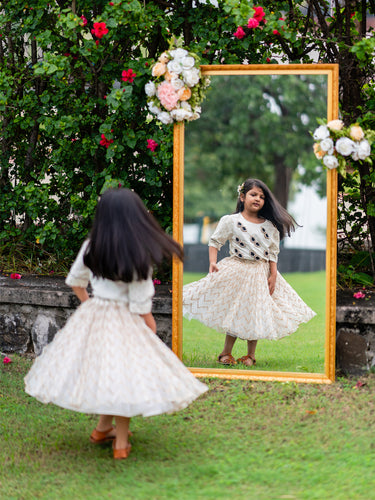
(256, 122)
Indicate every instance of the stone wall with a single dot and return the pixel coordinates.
(355, 333)
(34, 308)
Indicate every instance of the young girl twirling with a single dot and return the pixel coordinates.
(107, 359)
(244, 295)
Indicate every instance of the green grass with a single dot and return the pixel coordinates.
(241, 440)
(301, 352)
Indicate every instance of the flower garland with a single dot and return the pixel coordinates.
(336, 145)
(178, 88)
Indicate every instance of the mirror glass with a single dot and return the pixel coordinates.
(258, 124)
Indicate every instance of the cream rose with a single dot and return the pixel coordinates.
(159, 69)
(177, 83)
(165, 117)
(362, 150)
(150, 89)
(184, 94)
(174, 67)
(317, 151)
(356, 133)
(188, 62)
(191, 77)
(164, 58)
(335, 125)
(181, 114)
(153, 108)
(327, 145)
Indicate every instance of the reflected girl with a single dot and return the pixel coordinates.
(244, 296)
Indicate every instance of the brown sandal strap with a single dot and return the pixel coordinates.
(231, 360)
(244, 358)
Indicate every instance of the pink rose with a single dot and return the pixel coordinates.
(259, 14)
(84, 21)
(167, 95)
(151, 144)
(239, 33)
(252, 23)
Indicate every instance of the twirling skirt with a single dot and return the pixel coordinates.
(107, 361)
(236, 300)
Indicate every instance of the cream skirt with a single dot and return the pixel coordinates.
(107, 361)
(236, 300)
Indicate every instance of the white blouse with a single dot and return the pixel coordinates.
(137, 294)
(247, 240)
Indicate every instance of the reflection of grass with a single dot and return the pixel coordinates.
(301, 352)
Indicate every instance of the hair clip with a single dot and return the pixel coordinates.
(240, 188)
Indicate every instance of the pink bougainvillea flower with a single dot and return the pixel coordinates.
(259, 14)
(105, 142)
(151, 144)
(239, 33)
(6, 360)
(15, 276)
(156, 282)
(128, 75)
(99, 30)
(167, 95)
(252, 23)
(84, 21)
(359, 295)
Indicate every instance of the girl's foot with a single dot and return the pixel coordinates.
(247, 360)
(99, 437)
(226, 359)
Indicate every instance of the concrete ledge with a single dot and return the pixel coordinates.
(34, 308)
(355, 333)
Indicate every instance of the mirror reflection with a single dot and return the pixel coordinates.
(258, 126)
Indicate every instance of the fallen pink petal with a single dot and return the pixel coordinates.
(359, 295)
(6, 360)
(15, 276)
(156, 282)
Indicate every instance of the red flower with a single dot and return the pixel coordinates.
(156, 282)
(6, 360)
(259, 14)
(252, 23)
(84, 21)
(99, 30)
(105, 142)
(111, 3)
(151, 144)
(239, 33)
(359, 295)
(128, 76)
(268, 60)
(275, 32)
(15, 276)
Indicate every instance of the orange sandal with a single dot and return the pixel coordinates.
(226, 359)
(247, 360)
(119, 454)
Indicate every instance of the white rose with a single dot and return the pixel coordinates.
(153, 108)
(194, 116)
(321, 133)
(177, 84)
(185, 105)
(345, 146)
(165, 117)
(188, 62)
(363, 149)
(335, 125)
(191, 76)
(174, 67)
(327, 145)
(330, 161)
(178, 53)
(150, 89)
(181, 114)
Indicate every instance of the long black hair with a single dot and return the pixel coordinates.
(125, 240)
(271, 210)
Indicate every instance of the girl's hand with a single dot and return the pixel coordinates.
(150, 321)
(213, 267)
(272, 283)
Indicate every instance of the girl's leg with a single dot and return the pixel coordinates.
(105, 423)
(122, 433)
(251, 346)
(226, 357)
(104, 430)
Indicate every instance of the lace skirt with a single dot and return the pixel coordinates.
(236, 300)
(107, 361)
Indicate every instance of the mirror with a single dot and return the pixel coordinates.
(256, 122)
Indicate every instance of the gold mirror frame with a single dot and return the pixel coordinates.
(331, 70)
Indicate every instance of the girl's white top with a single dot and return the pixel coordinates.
(137, 294)
(247, 240)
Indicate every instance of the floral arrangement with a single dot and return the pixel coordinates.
(336, 145)
(178, 88)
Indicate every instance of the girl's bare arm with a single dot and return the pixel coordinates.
(212, 255)
(81, 293)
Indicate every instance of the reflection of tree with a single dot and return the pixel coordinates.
(252, 126)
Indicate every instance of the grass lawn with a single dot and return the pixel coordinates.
(301, 352)
(241, 440)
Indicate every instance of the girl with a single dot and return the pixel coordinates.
(107, 359)
(244, 295)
